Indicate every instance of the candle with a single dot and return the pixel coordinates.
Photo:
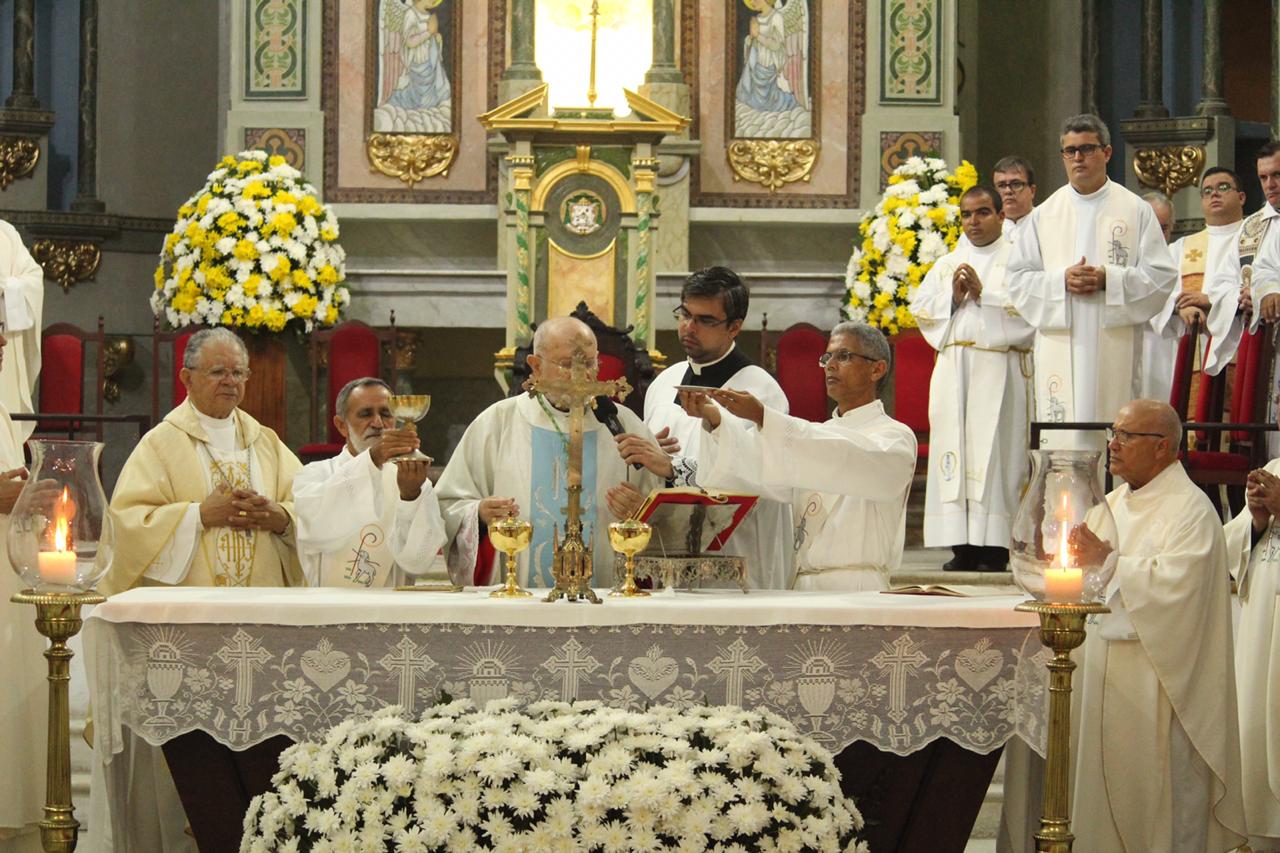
(59, 565)
(1064, 585)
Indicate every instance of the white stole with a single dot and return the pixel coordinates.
(366, 560)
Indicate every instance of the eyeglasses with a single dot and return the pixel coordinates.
(238, 374)
(1087, 150)
(1012, 186)
(706, 321)
(1218, 189)
(842, 357)
(1123, 436)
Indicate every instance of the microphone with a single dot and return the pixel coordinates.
(607, 414)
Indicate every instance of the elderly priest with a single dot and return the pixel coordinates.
(1158, 762)
(367, 518)
(847, 478)
(511, 462)
(205, 499)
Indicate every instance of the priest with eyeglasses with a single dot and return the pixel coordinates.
(847, 479)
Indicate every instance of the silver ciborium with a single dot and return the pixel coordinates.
(408, 409)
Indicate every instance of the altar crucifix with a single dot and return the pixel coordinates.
(571, 563)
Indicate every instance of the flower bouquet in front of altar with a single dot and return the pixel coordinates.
(916, 222)
(555, 776)
(253, 249)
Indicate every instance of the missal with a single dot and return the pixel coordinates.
(692, 521)
(957, 590)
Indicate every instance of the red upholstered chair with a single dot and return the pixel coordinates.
(1183, 372)
(64, 350)
(793, 359)
(176, 341)
(913, 360)
(348, 351)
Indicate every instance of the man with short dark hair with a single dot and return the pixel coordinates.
(368, 517)
(713, 305)
(1015, 179)
(978, 394)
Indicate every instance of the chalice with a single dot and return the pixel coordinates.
(511, 536)
(408, 409)
(629, 537)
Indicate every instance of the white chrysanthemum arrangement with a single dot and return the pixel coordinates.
(255, 249)
(555, 776)
(915, 223)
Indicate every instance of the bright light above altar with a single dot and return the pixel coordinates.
(562, 50)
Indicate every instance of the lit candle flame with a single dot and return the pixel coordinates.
(64, 510)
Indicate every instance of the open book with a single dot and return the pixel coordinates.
(692, 521)
(956, 589)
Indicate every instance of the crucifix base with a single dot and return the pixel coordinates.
(571, 565)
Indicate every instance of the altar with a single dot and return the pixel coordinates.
(900, 674)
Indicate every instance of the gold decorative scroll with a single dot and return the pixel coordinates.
(773, 162)
(1169, 168)
(18, 158)
(67, 261)
(411, 157)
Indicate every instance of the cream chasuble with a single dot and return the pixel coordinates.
(1085, 348)
(22, 281)
(1158, 766)
(353, 528)
(155, 506)
(1256, 568)
(978, 401)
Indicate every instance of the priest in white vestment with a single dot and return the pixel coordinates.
(23, 282)
(1158, 351)
(979, 392)
(1199, 289)
(1089, 268)
(1158, 760)
(1015, 179)
(24, 701)
(368, 517)
(713, 306)
(511, 462)
(847, 478)
(1253, 557)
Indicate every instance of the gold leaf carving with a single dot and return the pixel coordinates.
(411, 157)
(18, 158)
(67, 261)
(772, 162)
(1169, 168)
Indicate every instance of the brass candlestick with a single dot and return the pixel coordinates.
(1061, 629)
(511, 536)
(58, 618)
(629, 537)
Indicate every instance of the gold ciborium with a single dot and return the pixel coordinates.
(629, 537)
(511, 536)
(408, 409)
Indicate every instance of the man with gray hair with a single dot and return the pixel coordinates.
(1089, 268)
(368, 517)
(205, 499)
(847, 479)
(1158, 352)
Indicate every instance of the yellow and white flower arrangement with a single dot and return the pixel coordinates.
(915, 223)
(254, 249)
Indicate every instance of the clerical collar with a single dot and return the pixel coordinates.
(715, 373)
(1225, 230)
(698, 368)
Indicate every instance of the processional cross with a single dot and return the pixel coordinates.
(571, 563)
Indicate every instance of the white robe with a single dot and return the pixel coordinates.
(350, 510)
(847, 479)
(763, 538)
(1158, 764)
(1265, 280)
(1086, 357)
(497, 457)
(978, 401)
(1257, 572)
(22, 281)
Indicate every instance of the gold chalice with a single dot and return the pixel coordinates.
(629, 537)
(511, 536)
(408, 409)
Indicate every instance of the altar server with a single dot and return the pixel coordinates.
(1158, 762)
(1089, 267)
(22, 288)
(847, 478)
(367, 518)
(205, 499)
(978, 394)
(1015, 179)
(713, 306)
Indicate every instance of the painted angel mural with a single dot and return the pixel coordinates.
(772, 98)
(413, 90)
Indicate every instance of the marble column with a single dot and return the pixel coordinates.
(1089, 53)
(23, 96)
(1211, 101)
(86, 200)
(1151, 104)
(664, 69)
(523, 66)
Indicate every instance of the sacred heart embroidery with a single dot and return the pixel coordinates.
(325, 665)
(653, 673)
(978, 665)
